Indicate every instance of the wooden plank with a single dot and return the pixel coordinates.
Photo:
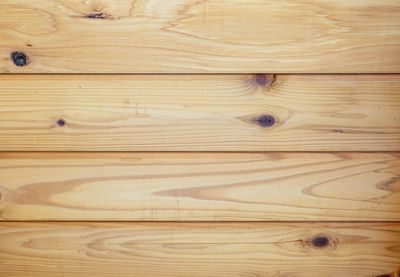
(200, 186)
(191, 36)
(200, 113)
(201, 249)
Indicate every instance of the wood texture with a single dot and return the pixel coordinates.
(181, 36)
(200, 113)
(202, 249)
(200, 186)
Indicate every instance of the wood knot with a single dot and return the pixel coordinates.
(265, 120)
(98, 15)
(264, 80)
(60, 122)
(338, 131)
(320, 241)
(19, 58)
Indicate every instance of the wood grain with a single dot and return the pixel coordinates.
(192, 36)
(200, 186)
(200, 113)
(201, 249)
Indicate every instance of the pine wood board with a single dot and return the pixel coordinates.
(200, 249)
(200, 186)
(206, 36)
(200, 113)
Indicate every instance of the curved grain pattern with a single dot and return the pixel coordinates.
(201, 249)
(181, 36)
(199, 113)
(198, 187)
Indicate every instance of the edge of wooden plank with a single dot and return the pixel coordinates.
(207, 36)
(200, 113)
(206, 249)
(200, 186)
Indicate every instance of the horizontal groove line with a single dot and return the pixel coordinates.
(200, 74)
(203, 221)
(196, 152)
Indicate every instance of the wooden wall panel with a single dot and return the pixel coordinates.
(200, 113)
(201, 249)
(248, 144)
(181, 36)
(200, 186)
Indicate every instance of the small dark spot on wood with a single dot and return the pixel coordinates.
(29, 45)
(261, 79)
(60, 122)
(384, 275)
(338, 131)
(98, 15)
(265, 120)
(264, 80)
(19, 58)
(320, 241)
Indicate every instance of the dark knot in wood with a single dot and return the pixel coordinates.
(264, 80)
(60, 122)
(19, 58)
(266, 120)
(98, 15)
(320, 241)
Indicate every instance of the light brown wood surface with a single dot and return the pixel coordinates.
(199, 113)
(201, 249)
(247, 145)
(181, 36)
(200, 186)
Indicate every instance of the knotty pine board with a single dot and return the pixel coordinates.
(200, 186)
(192, 36)
(199, 249)
(200, 113)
